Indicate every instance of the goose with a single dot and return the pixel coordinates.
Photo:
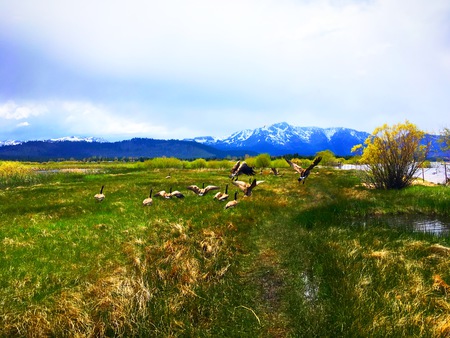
(247, 187)
(241, 168)
(202, 191)
(275, 171)
(164, 194)
(100, 197)
(233, 203)
(222, 196)
(176, 193)
(304, 173)
(148, 200)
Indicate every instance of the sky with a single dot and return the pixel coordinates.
(173, 69)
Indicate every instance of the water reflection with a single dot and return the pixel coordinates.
(415, 223)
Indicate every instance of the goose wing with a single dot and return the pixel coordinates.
(295, 166)
(240, 184)
(161, 193)
(312, 165)
(194, 188)
(235, 167)
(249, 188)
(177, 194)
(218, 195)
(244, 168)
(223, 197)
(211, 187)
(315, 162)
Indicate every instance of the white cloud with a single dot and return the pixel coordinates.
(23, 124)
(326, 63)
(13, 111)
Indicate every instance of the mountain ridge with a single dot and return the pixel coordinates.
(281, 138)
(277, 140)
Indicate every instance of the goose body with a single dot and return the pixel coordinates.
(202, 191)
(241, 168)
(304, 173)
(100, 196)
(148, 200)
(222, 196)
(233, 203)
(247, 187)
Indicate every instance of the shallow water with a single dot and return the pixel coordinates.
(415, 223)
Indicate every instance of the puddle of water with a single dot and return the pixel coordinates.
(415, 223)
(311, 290)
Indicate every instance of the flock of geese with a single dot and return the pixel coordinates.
(238, 169)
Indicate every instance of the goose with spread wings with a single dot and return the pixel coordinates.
(203, 190)
(247, 187)
(304, 173)
(241, 168)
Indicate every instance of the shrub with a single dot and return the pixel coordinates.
(198, 164)
(393, 155)
(263, 161)
(164, 162)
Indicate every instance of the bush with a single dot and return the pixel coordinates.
(164, 162)
(199, 163)
(393, 155)
(263, 161)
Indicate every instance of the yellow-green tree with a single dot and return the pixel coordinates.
(393, 154)
(445, 142)
(263, 161)
(328, 157)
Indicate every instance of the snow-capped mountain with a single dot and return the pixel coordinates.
(9, 143)
(78, 139)
(283, 138)
(61, 139)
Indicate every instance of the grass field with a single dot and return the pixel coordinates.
(291, 260)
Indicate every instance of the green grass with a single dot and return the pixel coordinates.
(291, 260)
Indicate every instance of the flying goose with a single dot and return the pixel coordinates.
(233, 203)
(148, 200)
(241, 168)
(222, 196)
(100, 197)
(247, 187)
(203, 190)
(304, 173)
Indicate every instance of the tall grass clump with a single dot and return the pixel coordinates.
(16, 173)
(220, 164)
(199, 163)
